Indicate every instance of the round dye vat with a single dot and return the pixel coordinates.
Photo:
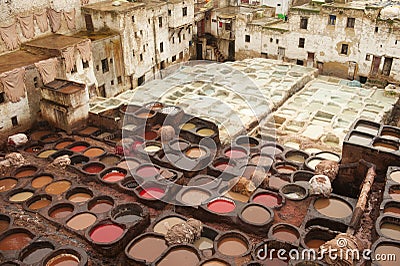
(395, 176)
(235, 153)
(15, 241)
(262, 160)
(215, 262)
(37, 254)
(34, 149)
(147, 171)
(4, 224)
(106, 233)
(205, 132)
(294, 192)
(329, 156)
(150, 135)
(334, 208)
(296, 158)
(315, 243)
(271, 150)
(7, 184)
(26, 172)
(285, 169)
(148, 248)
(82, 221)
(101, 206)
(93, 168)
(127, 218)
(394, 193)
(110, 160)
(45, 154)
(41, 181)
(145, 115)
(63, 144)
(128, 164)
(360, 139)
(188, 126)
(385, 146)
(268, 200)
(256, 215)
(152, 148)
(391, 210)
(58, 187)
(21, 196)
(285, 234)
(180, 256)
(195, 196)
(371, 129)
(390, 230)
(162, 226)
(50, 138)
(64, 260)
(61, 212)
(80, 197)
(221, 205)
(113, 176)
(39, 204)
(195, 153)
(385, 249)
(223, 166)
(312, 164)
(232, 246)
(39, 134)
(204, 243)
(179, 145)
(94, 152)
(152, 193)
(78, 148)
(276, 182)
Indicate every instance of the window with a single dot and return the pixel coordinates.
(173, 39)
(133, 53)
(350, 22)
(111, 60)
(376, 29)
(135, 34)
(14, 121)
(345, 49)
(160, 22)
(2, 97)
(161, 47)
(112, 82)
(181, 55)
(228, 26)
(189, 30)
(278, 4)
(169, 12)
(141, 32)
(179, 37)
(303, 23)
(184, 11)
(332, 20)
(395, 42)
(104, 65)
(36, 82)
(300, 62)
(133, 19)
(277, 41)
(141, 57)
(247, 38)
(119, 80)
(85, 64)
(141, 80)
(98, 67)
(301, 42)
(184, 36)
(271, 39)
(144, 48)
(174, 58)
(367, 57)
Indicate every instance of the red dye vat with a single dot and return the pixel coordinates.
(93, 169)
(106, 233)
(268, 200)
(152, 193)
(147, 171)
(221, 206)
(235, 154)
(79, 148)
(150, 135)
(114, 176)
(223, 166)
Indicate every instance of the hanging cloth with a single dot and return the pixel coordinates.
(27, 26)
(14, 84)
(41, 21)
(47, 69)
(10, 36)
(68, 54)
(85, 50)
(54, 19)
(70, 18)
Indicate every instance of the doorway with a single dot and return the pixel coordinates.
(387, 66)
(231, 51)
(375, 65)
(199, 51)
(89, 23)
(281, 53)
(310, 59)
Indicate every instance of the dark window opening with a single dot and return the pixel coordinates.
(74, 70)
(179, 37)
(174, 58)
(184, 11)
(133, 53)
(111, 60)
(14, 121)
(141, 32)
(367, 57)
(161, 47)
(184, 36)
(104, 65)
(97, 67)
(228, 26)
(332, 20)
(189, 30)
(169, 12)
(376, 29)
(2, 97)
(36, 82)
(271, 40)
(112, 82)
(303, 23)
(363, 79)
(141, 80)
(102, 91)
(160, 22)
(141, 57)
(173, 39)
(247, 38)
(119, 80)
(181, 55)
(345, 49)
(85, 64)
(300, 62)
(144, 48)
(277, 41)
(302, 41)
(351, 22)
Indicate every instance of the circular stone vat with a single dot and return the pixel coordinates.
(106, 233)
(333, 208)
(392, 208)
(58, 187)
(35, 252)
(79, 195)
(93, 168)
(276, 182)
(150, 135)
(285, 233)
(78, 146)
(20, 196)
(38, 202)
(51, 138)
(152, 192)
(214, 262)
(382, 248)
(204, 181)
(232, 244)
(360, 138)
(317, 237)
(25, 171)
(268, 199)
(15, 239)
(394, 192)
(385, 145)
(146, 247)
(236, 153)
(144, 114)
(128, 183)
(262, 160)
(63, 143)
(5, 222)
(297, 157)
(42, 180)
(65, 257)
(110, 159)
(390, 133)
(94, 152)
(154, 106)
(79, 160)
(271, 149)
(101, 204)
(38, 134)
(196, 152)
(302, 177)
(128, 164)
(370, 128)
(194, 196)
(7, 183)
(46, 153)
(255, 214)
(164, 224)
(179, 255)
(152, 147)
(61, 211)
(82, 221)
(294, 192)
(395, 176)
(284, 168)
(327, 155)
(247, 142)
(147, 171)
(223, 164)
(188, 126)
(389, 227)
(221, 205)
(205, 132)
(34, 148)
(113, 175)
(178, 145)
(312, 162)
(127, 213)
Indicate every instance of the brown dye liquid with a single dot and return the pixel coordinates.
(215, 263)
(41, 181)
(237, 196)
(144, 115)
(394, 193)
(63, 144)
(286, 234)
(390, 135)
(4, 225)
(195, 196)
(385, 147)
(110, 160)
(334, 208)
(82, 221)
(148, 248)
(15, 241)
(61, 212)
(39, 204)
(7, 184)
(58, 187)
(285, 169)
(261, 160)
(25, 173)
(88, 130)
(392, 211)
(195, 153)
(38, 134)
(37, 255)
(391, 230)
(232, 246)
(384, 250)
(64, 260)
(256, 215)
(180, 256)
(315, 243)
(101, 206)
(80, 197)
(93, 152)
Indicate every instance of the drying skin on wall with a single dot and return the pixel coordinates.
(10, 36)
(41, 20)
(70, 18)
(27, 27)
(14, 84)
(68, 54)
(47, 69)
(85, 49)
(54, 19)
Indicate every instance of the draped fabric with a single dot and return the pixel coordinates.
(54, 19)
(41, 21)
(14, 84)
(85, 50)
(27, 26)
(68, 54)
(47, 69)
(70, 18)
(10, 36)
